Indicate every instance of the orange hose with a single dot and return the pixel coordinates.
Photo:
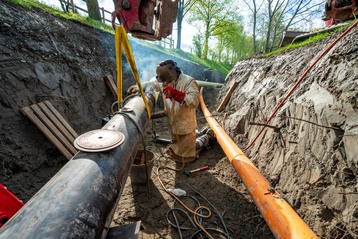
(283, 221)
(298, 82)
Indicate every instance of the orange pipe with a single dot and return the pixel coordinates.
(282, 220)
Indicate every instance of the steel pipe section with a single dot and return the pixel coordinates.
(80, 200)
(282, 220)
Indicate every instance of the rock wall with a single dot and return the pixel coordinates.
(309, 150)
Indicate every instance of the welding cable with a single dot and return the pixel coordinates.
(196, 225)
(177, 225)
(215, 210)
(123, 102)
(194, 212)
(197, 212)
(208, 215)
(211, 229)
(125, 114)
(299, 81)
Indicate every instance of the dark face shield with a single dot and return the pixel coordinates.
(160, 78)
(168, 72)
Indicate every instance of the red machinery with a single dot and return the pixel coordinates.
(147, 19)
(339, 11)
(336, 11)
(9, 205)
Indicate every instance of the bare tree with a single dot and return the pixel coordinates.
(116, 4)
(255, 10)
(183, 9)
(279, 16)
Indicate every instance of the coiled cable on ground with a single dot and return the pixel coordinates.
(196, 224)
(215, 210)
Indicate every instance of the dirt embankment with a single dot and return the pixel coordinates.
(42, 58)
(309, 151)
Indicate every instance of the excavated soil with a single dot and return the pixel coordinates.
(308, 152)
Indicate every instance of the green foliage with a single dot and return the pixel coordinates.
(197, 42)
(29, 4)
(211, 14)
(232, 43)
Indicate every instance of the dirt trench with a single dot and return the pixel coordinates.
(309, 153)
(309, 150)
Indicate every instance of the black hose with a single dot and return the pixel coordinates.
(216, 211)
(211, 229)
(143, 143)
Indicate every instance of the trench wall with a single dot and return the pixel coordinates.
(309, 151)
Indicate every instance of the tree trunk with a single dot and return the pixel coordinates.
(268, 33)
(93, 10)
(179, 22)
(116, 4)
(254, 28)
(206, 43)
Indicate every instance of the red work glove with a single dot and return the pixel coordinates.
(170, 92)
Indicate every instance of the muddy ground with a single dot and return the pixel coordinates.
(308, 153)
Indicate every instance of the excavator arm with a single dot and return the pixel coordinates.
(146, 19)
(337, 11)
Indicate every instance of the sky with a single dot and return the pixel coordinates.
(188, 31)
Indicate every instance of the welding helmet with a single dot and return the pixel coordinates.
(167, 71)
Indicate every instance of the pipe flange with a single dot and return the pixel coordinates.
(99, 140)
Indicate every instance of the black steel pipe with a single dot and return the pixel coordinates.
(80, 200)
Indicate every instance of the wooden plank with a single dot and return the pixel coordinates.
(53, 129)
(227, 96)
(60, 118)
(30, 114)
(56, 122)
(112, 87)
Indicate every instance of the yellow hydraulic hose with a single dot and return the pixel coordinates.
(122, 41)
(282, 220)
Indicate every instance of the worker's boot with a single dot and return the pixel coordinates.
(205, 140)
(202, 132)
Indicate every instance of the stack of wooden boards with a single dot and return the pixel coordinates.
(53, 125)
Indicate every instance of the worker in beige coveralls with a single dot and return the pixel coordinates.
(180, 103)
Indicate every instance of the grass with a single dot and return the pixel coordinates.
(30, 4)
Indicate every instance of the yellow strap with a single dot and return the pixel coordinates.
(122, 41)
(118, 38)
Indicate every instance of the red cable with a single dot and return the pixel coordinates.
(299, 81)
